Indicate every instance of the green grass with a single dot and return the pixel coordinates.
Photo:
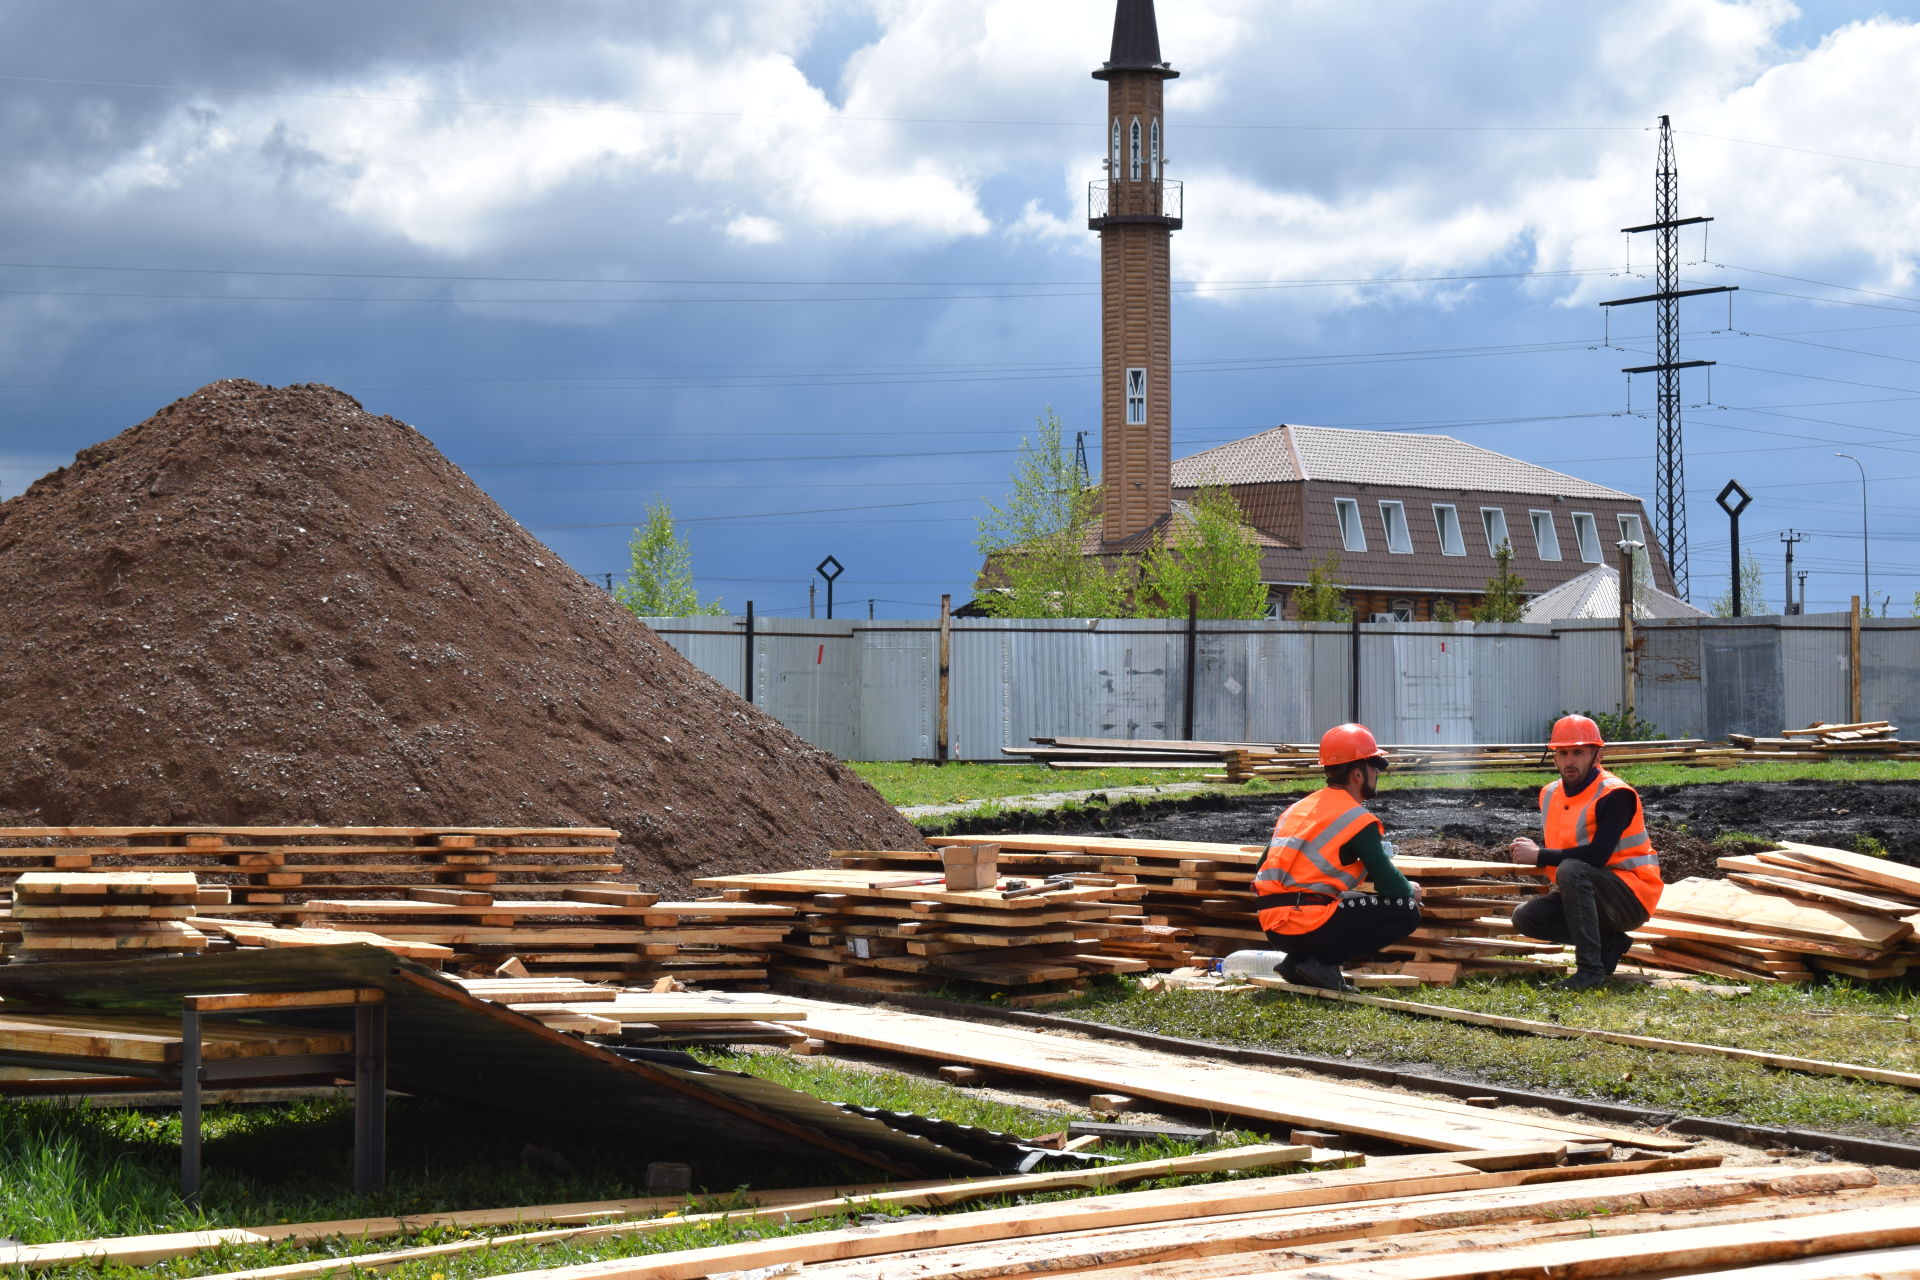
(69, 1173)
(904, 783)
(1837, 1021)
(914, 784)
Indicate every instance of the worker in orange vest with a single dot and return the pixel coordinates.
(1605, 873)
(1307, 890)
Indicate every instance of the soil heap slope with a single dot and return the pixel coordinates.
(268, 606)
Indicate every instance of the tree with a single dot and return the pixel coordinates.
(1324, 597)
(1753, 592)
(1443, 611)
(1037, 543)
(1505, 598)
(1213, 555)
(659, 582)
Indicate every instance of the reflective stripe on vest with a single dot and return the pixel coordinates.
(1301, 857)
(1569, 825)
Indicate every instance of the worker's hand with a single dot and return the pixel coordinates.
(1525, 851)
(1419, 891)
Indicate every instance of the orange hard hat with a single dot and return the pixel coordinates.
(1575, 731)
(1345, 743)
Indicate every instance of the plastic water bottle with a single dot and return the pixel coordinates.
(1259, 964)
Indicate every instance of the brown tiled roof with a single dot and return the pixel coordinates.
(1159, 532)
(1377, 457)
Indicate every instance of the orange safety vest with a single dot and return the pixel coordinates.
(1303, 857)
(1570, 824)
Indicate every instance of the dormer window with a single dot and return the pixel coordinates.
(1133, 150)
(1153, 151)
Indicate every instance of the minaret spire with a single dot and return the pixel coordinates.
(1135, 209)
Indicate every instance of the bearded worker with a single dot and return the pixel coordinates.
(1307, 890)
(1605, 873)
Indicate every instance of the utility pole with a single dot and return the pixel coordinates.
(1669, 468)
(1790, 537)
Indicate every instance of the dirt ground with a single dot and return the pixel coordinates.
(1684, 821)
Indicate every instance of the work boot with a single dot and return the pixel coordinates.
(1613, 949)
(1288, 970)
(1323, 974)
(1583, 980)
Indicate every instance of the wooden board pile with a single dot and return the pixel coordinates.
(599, 932)
(1126, 753)
(1283, 762)
(1822, 741)
(888, 931)
(1784, 913)
(1203, 892)
(102, 915)
(646, 1017)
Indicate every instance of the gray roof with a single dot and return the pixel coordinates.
(1374, 457)
(1596, 594)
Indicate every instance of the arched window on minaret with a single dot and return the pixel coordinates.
(1113, 165)
(1133, 143)
(1153, 151)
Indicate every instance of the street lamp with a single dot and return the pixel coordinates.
(1866, 577)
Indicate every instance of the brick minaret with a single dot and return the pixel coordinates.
(1136, 210)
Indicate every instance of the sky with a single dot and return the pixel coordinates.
(810, 270)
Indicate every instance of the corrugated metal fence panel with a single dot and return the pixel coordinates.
(1670, 691)
(1516, 671)
(868, 693)
(1813, 669)
(1742, 663)
(1889, 673)
(712, 644)
(1588, 658)
(806, 672)
(899, 683)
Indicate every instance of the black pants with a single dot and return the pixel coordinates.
(1590, 907)
(1362, 923)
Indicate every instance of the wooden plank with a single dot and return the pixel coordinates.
(88, 833)
(1023, 1222)
(1228, 1088)
(1256, 1243)
(1880, 871)
(143, 1038)
(1717, 900)
(1782, 1062)
(1696, 1249)
(230, 1002)
(1845, 898)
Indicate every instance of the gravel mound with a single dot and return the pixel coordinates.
(268, 606)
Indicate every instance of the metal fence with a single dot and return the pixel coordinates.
(872, 690)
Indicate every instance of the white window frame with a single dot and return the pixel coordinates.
(1136, 394)
(1153, 150)
(1398, 508)
(1586, 536)
(1113, 166)
(1632, 528)
(1133, 150)
(1400, 609)
(1446, 519)
(1346, 513)
(1489, 518)
(1547, 548)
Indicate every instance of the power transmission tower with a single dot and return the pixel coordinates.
(1669, 473)
(1080, 455)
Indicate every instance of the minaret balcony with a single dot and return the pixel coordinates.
(1158, 203)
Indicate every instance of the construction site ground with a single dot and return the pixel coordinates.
(1458, 822)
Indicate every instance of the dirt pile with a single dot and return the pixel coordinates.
(269, 606)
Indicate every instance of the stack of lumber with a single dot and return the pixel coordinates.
(1786, 912)
(1126, 753)
(1284, 761)
(254, 933)
(887, 931)
(1204, 893)
(648, 1017)
(602, 932)
(1822, 741)
(271, 869)
(102, 915)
